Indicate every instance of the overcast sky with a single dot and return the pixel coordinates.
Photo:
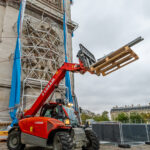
(104, 26)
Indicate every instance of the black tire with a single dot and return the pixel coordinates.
(124, 146)
(14, 141)
(93, 142)
(147, 143)
(62, 141)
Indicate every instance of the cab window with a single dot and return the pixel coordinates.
(48, 113)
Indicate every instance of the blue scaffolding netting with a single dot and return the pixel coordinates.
(15, 92)
(67, 77)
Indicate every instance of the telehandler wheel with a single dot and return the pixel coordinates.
(62, 141)
(93, 143)
(14, 141)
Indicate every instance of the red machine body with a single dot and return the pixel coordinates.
(42, 126)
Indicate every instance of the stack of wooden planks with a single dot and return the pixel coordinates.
(114, 61)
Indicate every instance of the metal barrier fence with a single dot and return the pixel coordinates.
(122, 133)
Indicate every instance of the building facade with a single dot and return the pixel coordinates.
(128, 110)
(42, 48)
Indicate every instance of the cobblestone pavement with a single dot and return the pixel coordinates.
(103, 147)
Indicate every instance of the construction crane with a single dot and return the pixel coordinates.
(58, 126)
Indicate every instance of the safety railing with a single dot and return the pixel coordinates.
(119, 133)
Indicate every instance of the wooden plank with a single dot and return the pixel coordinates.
(114, 61)
(106, 73)
(111, 55)
(103, 63)
(3, 133)
(116, 64)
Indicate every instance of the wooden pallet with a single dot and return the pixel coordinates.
(114, 61)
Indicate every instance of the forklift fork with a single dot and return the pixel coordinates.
(111, 62)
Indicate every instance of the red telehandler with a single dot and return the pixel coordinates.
(58, 126)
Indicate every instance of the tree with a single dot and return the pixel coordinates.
(103, 117)
(97, 118)
(136, 118)
(146, 117)
(122, 117)
(84, 117)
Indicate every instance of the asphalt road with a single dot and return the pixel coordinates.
(103, 147)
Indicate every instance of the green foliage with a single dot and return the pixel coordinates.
(97, 118)
(136, 118)
(105, 116)
(122, 117)
(146, 116)
(132, 118)
(84, 117)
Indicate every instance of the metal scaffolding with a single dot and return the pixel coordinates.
(42, 52)
(42, 55)
(55, 3)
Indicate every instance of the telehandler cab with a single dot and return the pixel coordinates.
(58, 126)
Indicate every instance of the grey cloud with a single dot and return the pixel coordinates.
(105, 26)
